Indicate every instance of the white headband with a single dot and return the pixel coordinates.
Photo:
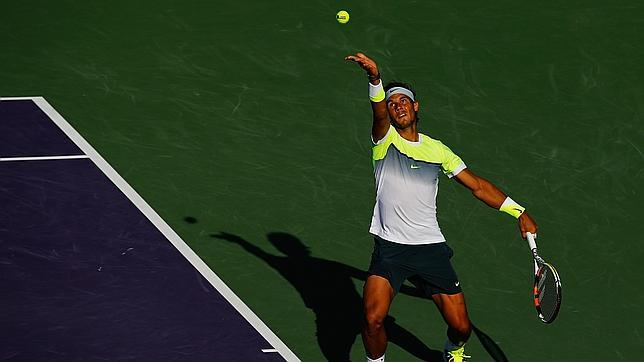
(400, 90)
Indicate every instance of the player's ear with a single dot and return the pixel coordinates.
(416, 106)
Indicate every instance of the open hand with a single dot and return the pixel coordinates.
(365, 63)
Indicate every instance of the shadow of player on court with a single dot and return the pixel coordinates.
(327, 288)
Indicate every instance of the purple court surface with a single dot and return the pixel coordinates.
(88, 271)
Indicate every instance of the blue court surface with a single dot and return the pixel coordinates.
(90, 272)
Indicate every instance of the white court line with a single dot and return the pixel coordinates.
(165, 229)
(42, 158)
(17, 98)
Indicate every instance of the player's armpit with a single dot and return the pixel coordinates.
(379, 130)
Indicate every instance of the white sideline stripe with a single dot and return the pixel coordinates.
(17, 98)
(42, 158)
(165, 229)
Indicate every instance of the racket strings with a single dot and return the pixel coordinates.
(547, 293)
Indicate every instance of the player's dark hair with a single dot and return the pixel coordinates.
(400, 84)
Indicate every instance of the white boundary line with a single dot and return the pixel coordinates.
(165, 229)
(42, 158)
(17, 98)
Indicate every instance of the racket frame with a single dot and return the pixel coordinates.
(539, 266)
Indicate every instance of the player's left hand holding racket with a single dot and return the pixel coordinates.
(547, 285)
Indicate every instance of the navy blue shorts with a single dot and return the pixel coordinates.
(427, 265)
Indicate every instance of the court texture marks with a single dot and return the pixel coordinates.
(242, 127)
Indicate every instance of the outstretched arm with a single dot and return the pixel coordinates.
(245, 244)
(380, 116)
(485, 191)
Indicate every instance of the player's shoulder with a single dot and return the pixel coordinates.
(436, 145)
(431, 141)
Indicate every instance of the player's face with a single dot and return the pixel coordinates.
(402, 111)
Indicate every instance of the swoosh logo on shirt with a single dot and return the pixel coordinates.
(414, 167)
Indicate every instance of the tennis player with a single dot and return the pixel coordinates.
(408, 240)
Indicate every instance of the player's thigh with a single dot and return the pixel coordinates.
(453, 309)
(377, 297)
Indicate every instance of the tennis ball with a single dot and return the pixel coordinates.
(342, 17)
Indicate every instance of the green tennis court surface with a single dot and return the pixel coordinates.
(240, 123)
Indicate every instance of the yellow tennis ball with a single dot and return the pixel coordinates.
(342, 17)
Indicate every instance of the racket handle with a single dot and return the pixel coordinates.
(531, 240)
(533, 247)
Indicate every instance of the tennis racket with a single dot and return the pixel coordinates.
(547, 285)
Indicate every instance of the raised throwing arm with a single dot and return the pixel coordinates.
(380, 116)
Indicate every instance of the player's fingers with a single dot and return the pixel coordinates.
(353, 58)
(522, 229)
(364, 62)
(360, 62)
(531, 230)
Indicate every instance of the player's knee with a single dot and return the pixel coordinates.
(374, 321)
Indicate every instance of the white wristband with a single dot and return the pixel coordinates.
(511, 207)
(376, 92)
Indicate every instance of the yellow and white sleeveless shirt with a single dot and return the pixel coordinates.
(406, 187)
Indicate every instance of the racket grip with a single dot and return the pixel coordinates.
(531, 240)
